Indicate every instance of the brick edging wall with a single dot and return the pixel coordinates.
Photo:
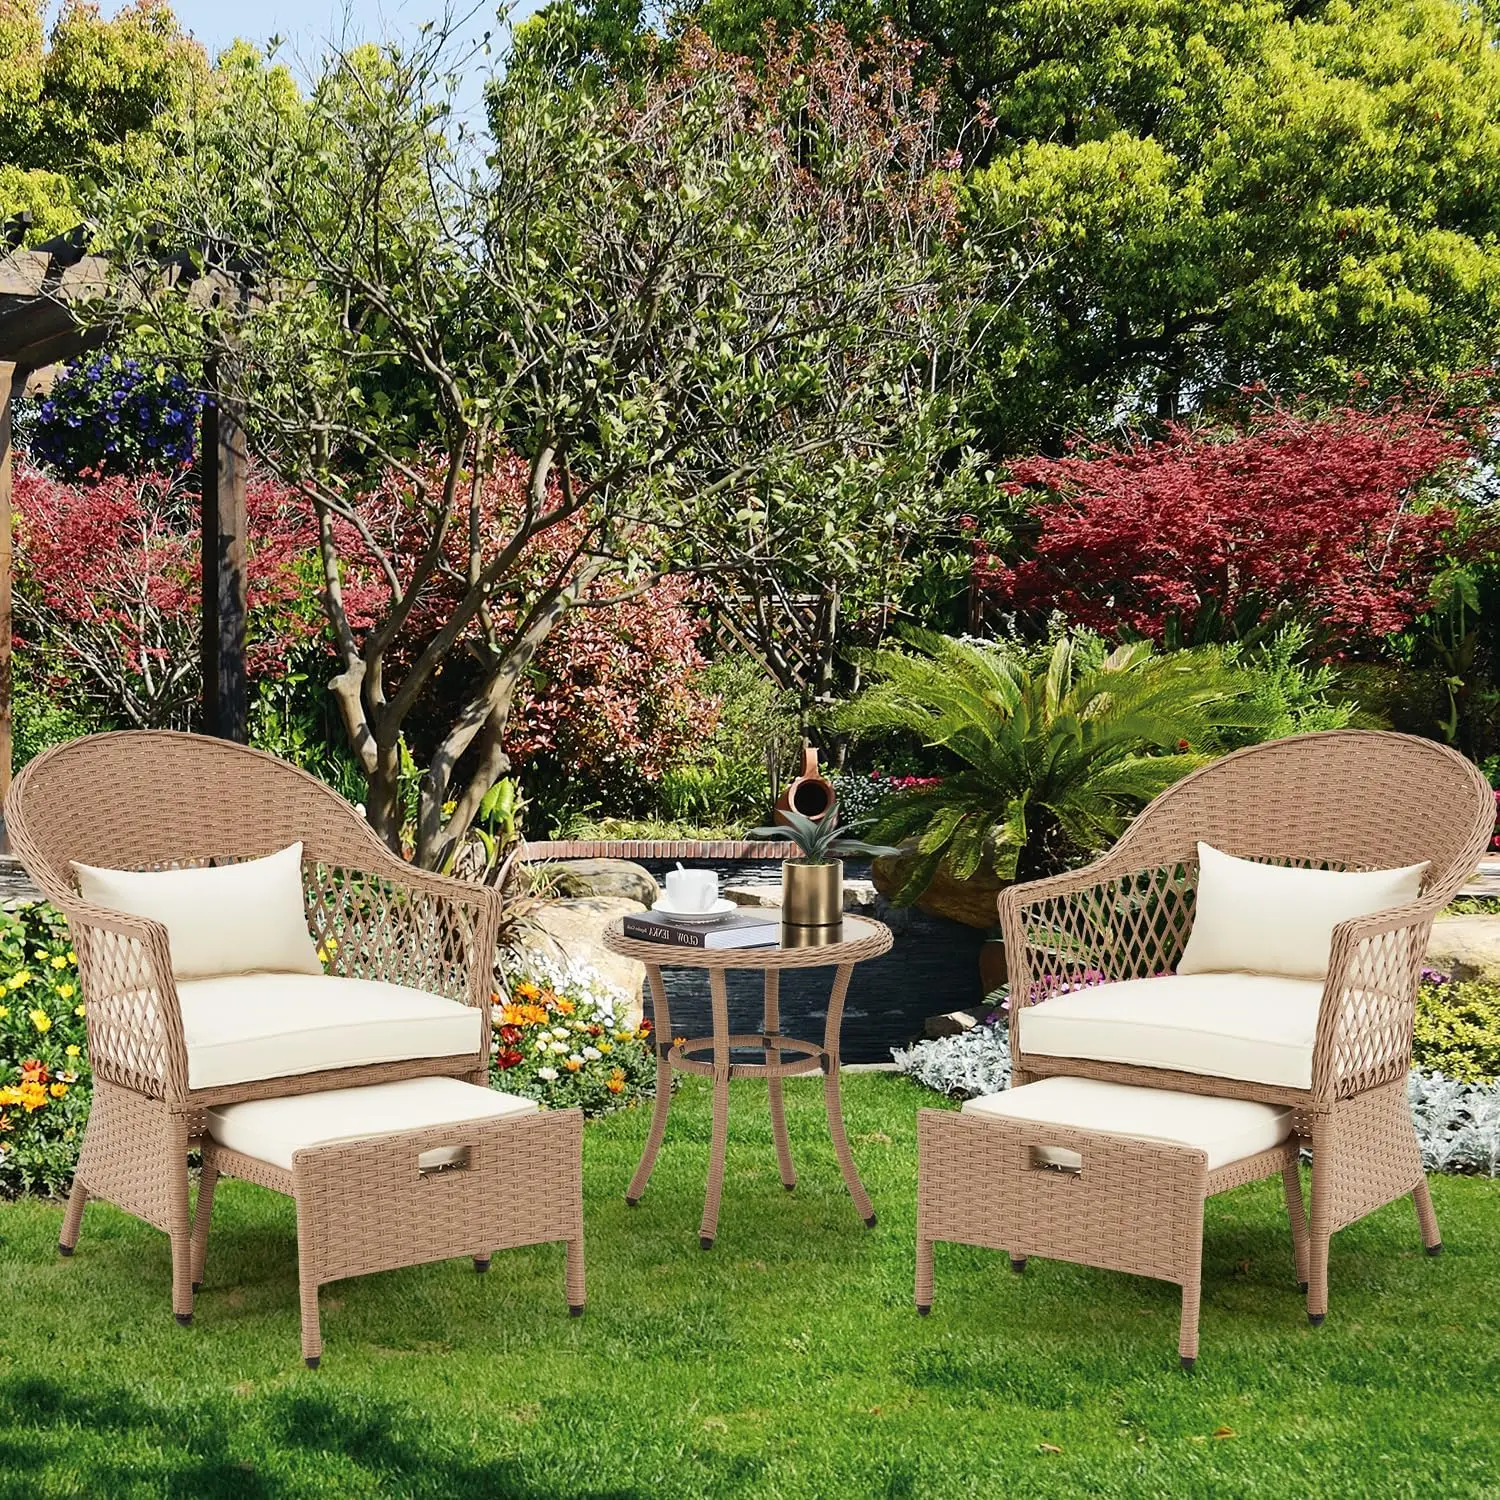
(715, 849)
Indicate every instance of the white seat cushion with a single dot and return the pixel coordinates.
(274, 1130)
(1277, 920)
(248, 1026)
(1254, 1027)
(1227, 1129)
(220, 919)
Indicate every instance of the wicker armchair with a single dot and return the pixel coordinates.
(1347, 799)
(157, 800)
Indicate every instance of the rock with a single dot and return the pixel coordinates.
(573, 931)
(952, 1024)
(573, 878)
(1466, 947)
(859, 895)
(972, 901)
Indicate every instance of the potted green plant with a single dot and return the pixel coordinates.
(812, 886)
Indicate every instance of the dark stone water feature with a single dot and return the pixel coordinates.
(932, 968)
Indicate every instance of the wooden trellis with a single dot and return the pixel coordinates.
(57, 302)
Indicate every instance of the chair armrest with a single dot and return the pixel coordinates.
(388, 920)
(1112, 919)
(131, 1013)
(1369, 1000)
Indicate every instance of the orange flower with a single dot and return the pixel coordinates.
(572, 1065)
(526, 990)
(523, 1015)
(33, 1096)
(563, 1007)
(615, 1085)
(34, 1071)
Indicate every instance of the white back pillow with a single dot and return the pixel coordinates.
(223, 919)
(1268, 919)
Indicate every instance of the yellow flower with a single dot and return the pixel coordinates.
(74, 1050)
(322, 955)
(41, 1020)
(78, 1010)
(9, 1095)
(72, 956)
(16, 980)
(58, 1090)
(606, 1046)
(58, 961)
(4, 1011)
(331, 944)
(65, 991)
(33, 1096)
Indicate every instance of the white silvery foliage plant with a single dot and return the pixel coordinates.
(965, 1066)
(1458, 1124)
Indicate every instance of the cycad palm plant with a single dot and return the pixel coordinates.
(1053, 758)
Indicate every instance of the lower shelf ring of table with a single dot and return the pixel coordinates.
(808, 1057)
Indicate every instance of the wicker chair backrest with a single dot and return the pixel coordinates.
(151, 799)
(1344, 799)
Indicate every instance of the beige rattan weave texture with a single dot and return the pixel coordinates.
(1135, 1206)
(156, 800)
(363, 1206)
(1346, 799)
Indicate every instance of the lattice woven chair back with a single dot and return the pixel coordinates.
(1347, 799)
(143, 799)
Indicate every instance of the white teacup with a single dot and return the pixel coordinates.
(692, 890)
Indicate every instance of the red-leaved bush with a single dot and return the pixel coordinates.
(110, 585)
(1214, 533)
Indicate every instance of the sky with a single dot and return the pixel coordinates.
(308, 25)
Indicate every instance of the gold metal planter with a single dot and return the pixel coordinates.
(812, 895)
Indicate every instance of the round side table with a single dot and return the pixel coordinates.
(779, 1056)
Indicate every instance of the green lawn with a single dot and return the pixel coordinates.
(786, 1361)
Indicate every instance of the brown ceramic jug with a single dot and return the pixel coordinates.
(809, 794)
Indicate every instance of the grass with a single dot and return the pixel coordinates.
(785, 1362)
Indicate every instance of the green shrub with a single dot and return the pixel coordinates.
(1458, 1030)
(44, 1073)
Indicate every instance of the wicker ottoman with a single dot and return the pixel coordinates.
(398, 1174)
(1103, 1174)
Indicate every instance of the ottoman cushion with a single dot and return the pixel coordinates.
(1226, 1129)
(273, 1130)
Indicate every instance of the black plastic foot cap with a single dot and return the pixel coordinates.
(183, 1318)
(1302, 1287)
(631, 1202)
(789, 1185)
(1316, 1319)
(1188, 1361)
(1436, 1249)
(870, 1222)
(64, 1249)
(923, 1308)
(1018, 1265)
(706, 1241)
(313, 1361)
(575, 1309)
(481, 1264)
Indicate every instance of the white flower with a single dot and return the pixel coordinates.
(575, 1058)
(547, 1075)
(557, 1047)
(560, 1032)
(591, 1053)
(541, 1045)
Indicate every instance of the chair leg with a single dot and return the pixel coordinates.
(1187, 1332)
(73, 1219)
(1320, 1221)
(202, 1215)
(924, 1276)
(1296, 1213)
(576, 1294)
(1432, 1237)
(179, 1221)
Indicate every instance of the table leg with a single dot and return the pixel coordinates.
(772, 1028)
(718, 990)
(831, 1095)
(661, 1035)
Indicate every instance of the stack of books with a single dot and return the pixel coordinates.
(756, 928)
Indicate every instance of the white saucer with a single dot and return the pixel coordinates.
(720, 908)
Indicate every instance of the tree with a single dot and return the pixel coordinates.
(654, 297)
(92, 99)
(1212, 535)
(1047, 761)
(109, 589)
